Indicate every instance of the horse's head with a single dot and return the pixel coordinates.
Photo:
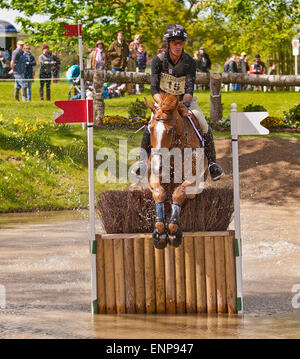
(162, 126)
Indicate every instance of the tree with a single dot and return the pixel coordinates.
(101, 19)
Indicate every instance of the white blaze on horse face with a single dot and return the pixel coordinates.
(156, 158)
(159, 129)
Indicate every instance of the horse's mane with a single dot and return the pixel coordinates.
(168, 102)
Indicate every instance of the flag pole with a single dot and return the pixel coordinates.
(236, 199)
(81, 65)
(92, 234)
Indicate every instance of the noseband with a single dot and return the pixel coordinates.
(162, 119)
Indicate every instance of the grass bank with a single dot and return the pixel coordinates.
(43, 166)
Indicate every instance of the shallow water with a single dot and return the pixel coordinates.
(45, 270)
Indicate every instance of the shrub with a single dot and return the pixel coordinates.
(292, 117)
(273, 122)
(224, 122)
(123, 122)
(254, 108)
(137, 109)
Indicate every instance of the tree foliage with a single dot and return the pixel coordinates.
(222, 26)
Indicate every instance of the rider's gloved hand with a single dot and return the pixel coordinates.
(183, 110)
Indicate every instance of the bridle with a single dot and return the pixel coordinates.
(176, 140)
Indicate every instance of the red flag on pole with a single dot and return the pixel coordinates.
(72, 30)
(75, 111)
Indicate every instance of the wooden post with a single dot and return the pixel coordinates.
(200, 274)
(129, 275)
(100, 275)
(190, 274)
(230, 274)
(220, 275)
(109, 276)
(119, 275)
(216, 109)
(210, 275)
(149, 276)
(139, 275)
(170, 280)
(160, 293)
(180, 279)
(99, 107)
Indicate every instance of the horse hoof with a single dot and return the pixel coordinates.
(175, 239)
(160, 240)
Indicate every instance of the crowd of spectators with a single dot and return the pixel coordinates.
(22, 68)
(119, 56)
(236, 64)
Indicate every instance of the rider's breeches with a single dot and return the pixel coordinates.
(199, 115)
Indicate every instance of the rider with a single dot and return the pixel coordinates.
(174, 71)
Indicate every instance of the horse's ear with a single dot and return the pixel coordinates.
(149, 104)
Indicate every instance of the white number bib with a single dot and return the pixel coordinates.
(171, 84)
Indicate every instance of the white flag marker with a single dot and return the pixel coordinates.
(241, 123)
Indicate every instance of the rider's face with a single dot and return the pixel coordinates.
(176, 47)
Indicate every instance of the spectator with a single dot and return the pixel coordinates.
(247, 63)
(46, 63)
(261, 63)
(18, 64)
(88, 57)
(132, 64)
(97, 57)
(142, 63)
(56, 67)
(226, 69)
(118, 52)
(242, 68)
(272, 71)
(256, 69)
(203, 62)
(30, 63)
(164, 47)
(226, 65)
(2, 61)
(233, 67)
(133, 46)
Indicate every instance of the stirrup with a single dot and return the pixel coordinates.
(217, 172)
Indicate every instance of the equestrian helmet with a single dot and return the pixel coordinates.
(175, 32)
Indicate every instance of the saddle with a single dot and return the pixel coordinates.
(194, 122)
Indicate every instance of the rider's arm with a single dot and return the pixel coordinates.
(190, 81)
(156, 68)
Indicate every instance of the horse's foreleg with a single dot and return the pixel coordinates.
(179, 196)
(159, 196)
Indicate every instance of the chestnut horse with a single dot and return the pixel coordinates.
(169, 130)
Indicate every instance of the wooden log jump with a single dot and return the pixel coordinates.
(197, 277)
(215, 81)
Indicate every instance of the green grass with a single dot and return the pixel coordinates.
(44, 166)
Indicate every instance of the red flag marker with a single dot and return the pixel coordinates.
(75, 111)
(72, 30)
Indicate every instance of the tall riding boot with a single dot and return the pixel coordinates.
(41, 93)
(24, 94)
(216, 171)
(16, 94)
(48, 94)
(145, 145)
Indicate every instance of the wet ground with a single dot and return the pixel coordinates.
(45, 274)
